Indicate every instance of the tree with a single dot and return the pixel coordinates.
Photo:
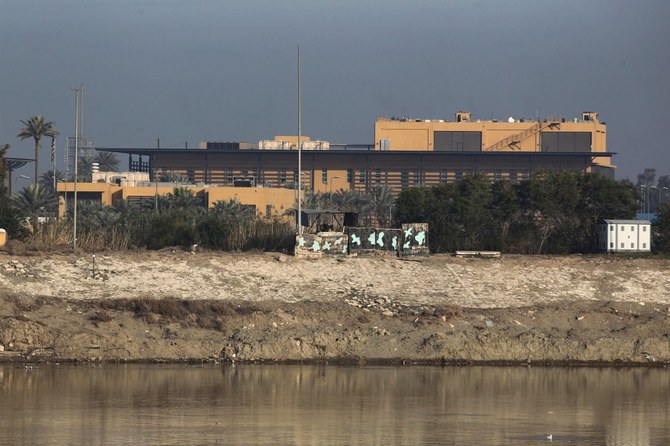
(36, 127)
(173, 177)
(47, 179)
(84, 169)
(382, 203)
(602, 197)
(662, 229)
(32, 201)
(10, 219)
(107, 162)
(232, 210)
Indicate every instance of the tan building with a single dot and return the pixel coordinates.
(551, 135)
(405, 153)
(111, 188)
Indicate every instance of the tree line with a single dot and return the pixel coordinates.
(555, 212)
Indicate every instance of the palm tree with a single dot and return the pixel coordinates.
(232, 210)
(36, 128)
(173, 177)
(84, 169)
(182, 198)
(47, 179)
(33, 200)
(382, 203)
(107, 162)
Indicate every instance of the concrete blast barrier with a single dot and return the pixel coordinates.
(319, 244)
(414, 239)
(373, 241)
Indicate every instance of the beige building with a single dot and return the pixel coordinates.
(550, 135)
(111, 188)
(405, 153)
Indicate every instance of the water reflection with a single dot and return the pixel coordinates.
(306, 405)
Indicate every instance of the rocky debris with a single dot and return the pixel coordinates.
(16, 268)
(385, 305)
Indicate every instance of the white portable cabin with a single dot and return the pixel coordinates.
(625, 236)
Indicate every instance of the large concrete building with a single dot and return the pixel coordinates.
(405, 153)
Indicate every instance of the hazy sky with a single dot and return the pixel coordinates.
(197, 70)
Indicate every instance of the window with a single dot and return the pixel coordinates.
(444, 176)
(512, 176)
(457, 141)
(566, 141)
(498, 175)
(417, 177)
(611, 228)
(350, 175)
(644, 246)
(644, 229)
(378, 176)
(623, 245)
(295, 176)
(632, 228)
(459, 174)
(282, 175)
(324, 176)
(611, 244)
(632, 245)
(404, 178)
(229, 176)
(361, 176)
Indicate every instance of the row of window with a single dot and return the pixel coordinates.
(549, 141)
(632, 245)
(623, 228)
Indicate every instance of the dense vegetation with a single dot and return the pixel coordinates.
(552, 212)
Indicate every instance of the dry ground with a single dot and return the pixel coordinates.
(175, 305)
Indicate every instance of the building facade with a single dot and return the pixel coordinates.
(625, 236)
(111, 188)
(406, 153)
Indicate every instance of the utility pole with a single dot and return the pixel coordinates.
(76, 162)
(299, 185)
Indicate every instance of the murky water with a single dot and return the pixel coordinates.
(310, 405)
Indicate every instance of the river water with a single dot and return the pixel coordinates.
(330, 405)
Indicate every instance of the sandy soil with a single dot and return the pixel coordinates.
(177, 305)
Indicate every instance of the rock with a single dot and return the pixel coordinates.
(2, 348)
(387, 313)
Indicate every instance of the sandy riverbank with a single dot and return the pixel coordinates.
(174, 305)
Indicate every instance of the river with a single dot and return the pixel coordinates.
(331, 405)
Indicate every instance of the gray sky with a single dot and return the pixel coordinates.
(196, 70)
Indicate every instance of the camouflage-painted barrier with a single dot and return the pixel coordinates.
(411, 240)
(361, 240)
(323, 243)
(373, 241)
(414, 239)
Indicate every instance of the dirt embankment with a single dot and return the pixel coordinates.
(178, 306)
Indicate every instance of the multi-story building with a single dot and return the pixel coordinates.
(405, 153)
